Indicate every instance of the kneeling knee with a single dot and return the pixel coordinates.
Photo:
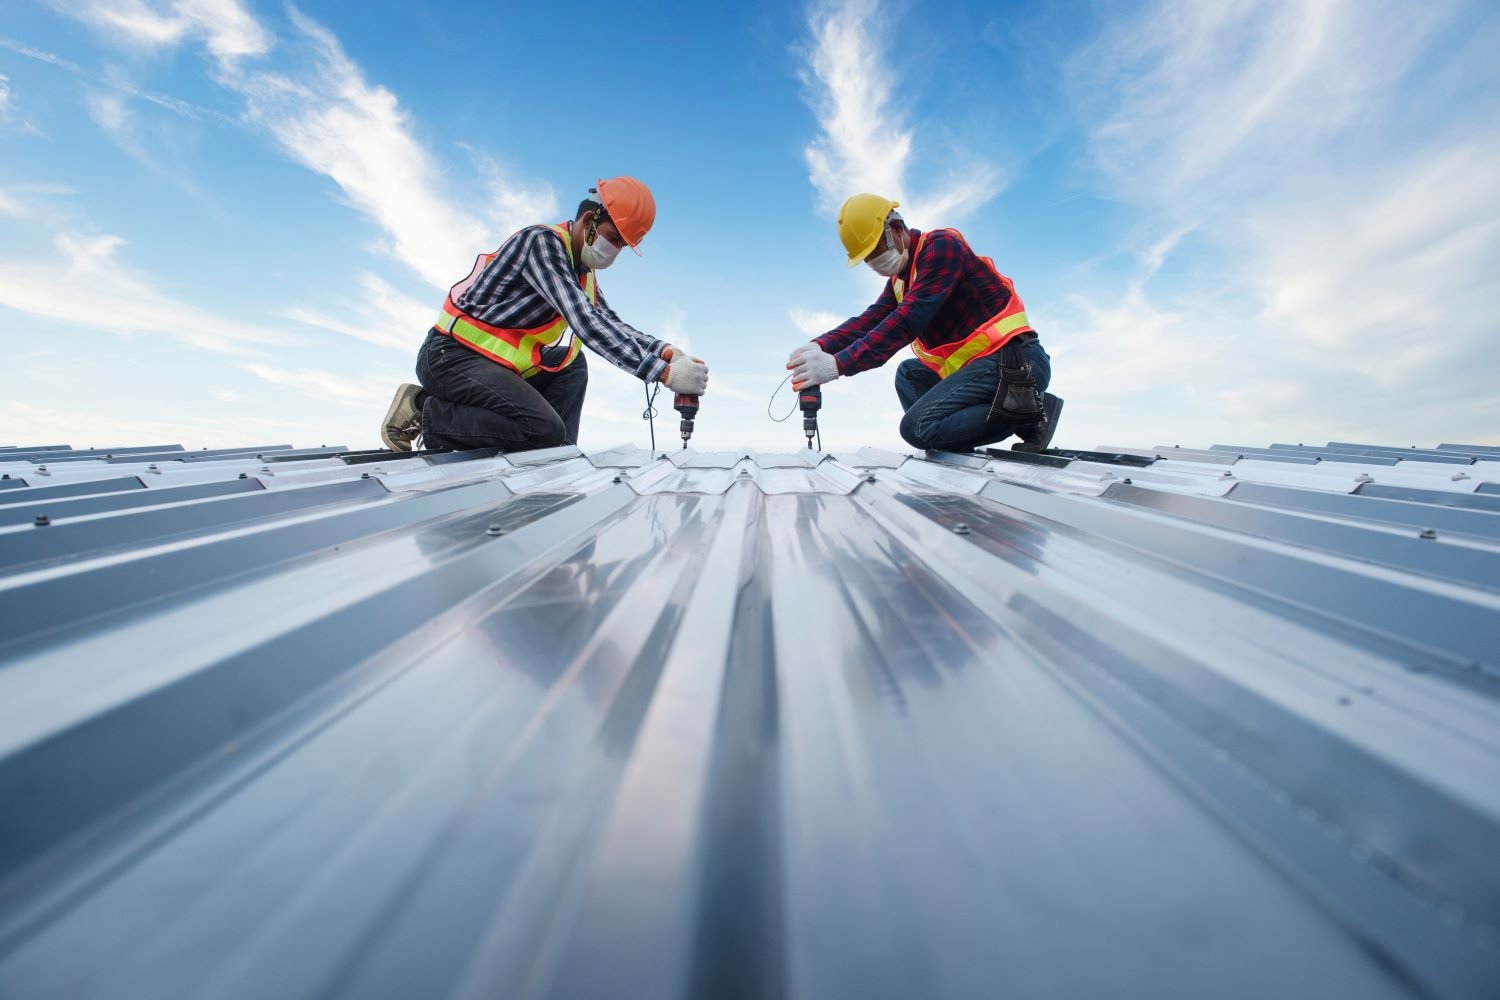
(911, 431)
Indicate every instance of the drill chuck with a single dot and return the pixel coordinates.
(688, 407)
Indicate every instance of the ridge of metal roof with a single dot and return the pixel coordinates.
(1138, 722)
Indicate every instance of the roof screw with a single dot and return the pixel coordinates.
(152, 468)
(6, 476)
(1126, 480)
(744, 472)
(1429, 533)
(1228, 474)
(1364, 477)
(618, 479)
(244, 475)
(494, 531)
(41, 468)
(364, 475)
(42, 520)
(1459, 477)
(961, 528)
(870, 478)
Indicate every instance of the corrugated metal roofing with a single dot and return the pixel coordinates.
(1148, 722)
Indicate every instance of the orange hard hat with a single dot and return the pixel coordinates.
(630, 207)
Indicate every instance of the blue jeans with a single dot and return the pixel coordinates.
(953, 414)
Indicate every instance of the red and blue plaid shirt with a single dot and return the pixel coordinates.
(953, 295)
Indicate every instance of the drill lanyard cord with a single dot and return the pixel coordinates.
(649, 414)
(772, 400)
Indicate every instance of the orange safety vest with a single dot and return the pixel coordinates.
(993, 334)
(519, 350)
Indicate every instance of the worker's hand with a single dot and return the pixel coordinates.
(688, 375)
(812, 367)
(801, 352)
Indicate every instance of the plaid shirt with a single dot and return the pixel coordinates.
(531, 281)
(954, 294)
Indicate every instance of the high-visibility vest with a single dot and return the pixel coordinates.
(993, 334)
(519, 350)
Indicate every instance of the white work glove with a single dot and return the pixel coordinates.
(801, 352)
(811, 365)
(668, 352)
(687, 375)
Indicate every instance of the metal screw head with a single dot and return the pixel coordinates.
(41, 468)
(1228, 474)
(244, 475)
(961, 529)
(42, 520)
(151, 468)
(364, 475)
(1459, 477)
(870, 478)
(618, 479)
(1429, 533)
(1126, 480)
(494, 530)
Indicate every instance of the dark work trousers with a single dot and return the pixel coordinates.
(952, 414)
(473, 402)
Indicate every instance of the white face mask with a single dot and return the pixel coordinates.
(888, 264)
(599, 254)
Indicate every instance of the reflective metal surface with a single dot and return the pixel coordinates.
(1133, 722)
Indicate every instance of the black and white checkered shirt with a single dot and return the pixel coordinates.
(530, 281)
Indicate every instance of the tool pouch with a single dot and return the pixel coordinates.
(1017, 398)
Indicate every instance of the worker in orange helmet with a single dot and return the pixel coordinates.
(979, 374)
(501, 367)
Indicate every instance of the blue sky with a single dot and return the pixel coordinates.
(230, 221)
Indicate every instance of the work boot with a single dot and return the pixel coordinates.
(1037, 436)
(403, 421)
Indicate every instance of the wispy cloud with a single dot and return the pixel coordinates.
(865, 143)
(327, 385)
(1355, 236)
(89, 286)
(813, 322)
(328, 117)
(333, 121)
(29, 52)
(227, 30)
(381, 316)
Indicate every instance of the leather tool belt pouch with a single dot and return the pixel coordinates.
(1017, 398)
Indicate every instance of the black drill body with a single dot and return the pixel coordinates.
(811, 401)
(688, 407)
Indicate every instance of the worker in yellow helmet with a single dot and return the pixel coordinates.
(979, 374)
(501, 367)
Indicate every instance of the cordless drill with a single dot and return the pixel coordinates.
(811, 401)
(688, 407)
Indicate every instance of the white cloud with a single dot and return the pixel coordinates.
(4, 95)
(326, 385)
(33, 53)
(90, 287)
(813, 322)
(865, 144)
(226, 29)
(382, 316)
(332, 121)
(1354, 238)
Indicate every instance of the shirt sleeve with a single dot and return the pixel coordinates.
(939, 267)
(548, 270)
(850, 330)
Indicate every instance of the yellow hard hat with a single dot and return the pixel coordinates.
(861, 221)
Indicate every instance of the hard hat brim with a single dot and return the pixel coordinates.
(859, 258)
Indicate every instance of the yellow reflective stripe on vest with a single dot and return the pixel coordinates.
(986, 340)
(524, 353)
